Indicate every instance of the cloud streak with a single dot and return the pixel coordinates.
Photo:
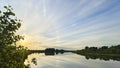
(69, 24)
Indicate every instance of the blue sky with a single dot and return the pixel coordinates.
(71, 24)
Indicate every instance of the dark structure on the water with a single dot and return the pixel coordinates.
(59, 51)
(49, 51)
(53, 51)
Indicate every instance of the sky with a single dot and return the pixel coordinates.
(67, 24)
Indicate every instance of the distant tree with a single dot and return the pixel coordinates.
(93, 48)
(104, 47)
(86, 47)
(9, 24)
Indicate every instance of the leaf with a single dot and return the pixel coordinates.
(19, 24)
(5, 7)
(11, 13)
(13, 21)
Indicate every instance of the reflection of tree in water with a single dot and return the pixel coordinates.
(60, 51)
(34, 61)
(103, 53)
(47, 52)
(53, 51)
(102, 57)
(50, 51)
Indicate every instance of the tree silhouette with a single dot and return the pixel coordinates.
(9, 24)
(11, 56)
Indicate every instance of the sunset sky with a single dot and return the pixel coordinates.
(67, 24)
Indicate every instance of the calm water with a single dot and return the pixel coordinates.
(69, 60)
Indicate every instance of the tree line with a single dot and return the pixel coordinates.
(103, 53)
(100, 50)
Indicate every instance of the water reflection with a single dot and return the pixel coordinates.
(50, 51)
(34, 61)
(55, 58)
(53, 52)
(70, 60)
(102, 57)
(46, 52)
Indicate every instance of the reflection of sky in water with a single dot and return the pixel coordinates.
(68, 60)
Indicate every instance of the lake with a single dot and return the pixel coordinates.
(68, 60)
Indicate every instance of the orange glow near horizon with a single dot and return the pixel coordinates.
(29, 43)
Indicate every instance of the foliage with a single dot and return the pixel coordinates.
(9, 24)
(101, 50)
(11, 56)
(104, 52)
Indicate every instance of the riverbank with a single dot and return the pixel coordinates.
(104, 52)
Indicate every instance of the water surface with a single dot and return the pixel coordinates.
(69, 60)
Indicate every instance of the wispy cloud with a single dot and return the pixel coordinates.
(69, 23)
